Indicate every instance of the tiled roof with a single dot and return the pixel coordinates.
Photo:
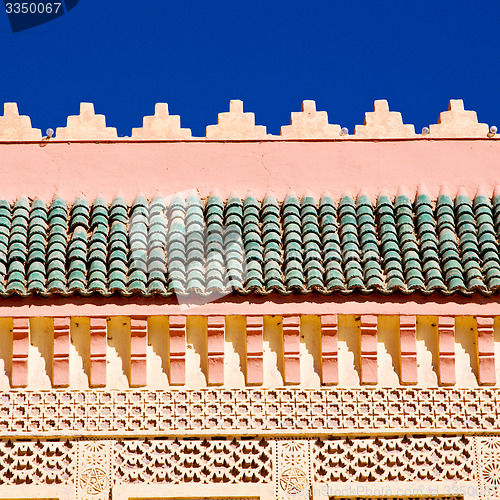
(298, 246)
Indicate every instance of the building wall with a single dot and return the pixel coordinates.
(356, 395)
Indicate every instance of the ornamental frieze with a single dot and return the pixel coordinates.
(457, 466)
(249, 411)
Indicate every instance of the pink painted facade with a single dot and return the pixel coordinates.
(341, 167)
(246, 315)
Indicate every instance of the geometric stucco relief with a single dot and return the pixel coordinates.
(265, 412)
(176, 461)
(396, 458)
(36, 462)
(290, 467)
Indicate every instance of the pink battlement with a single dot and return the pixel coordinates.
(240, 125)
(237, 155)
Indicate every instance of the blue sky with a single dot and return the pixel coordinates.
(125, 55)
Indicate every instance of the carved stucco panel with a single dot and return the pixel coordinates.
(292, 465)
(487, 464)
(94, 478)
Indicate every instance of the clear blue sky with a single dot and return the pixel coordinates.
(125, 55)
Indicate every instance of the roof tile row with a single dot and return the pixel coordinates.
(186, 245)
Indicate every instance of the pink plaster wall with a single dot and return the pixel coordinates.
(71, 169)
(375, 304)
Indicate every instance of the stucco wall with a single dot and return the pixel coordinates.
(70, 169)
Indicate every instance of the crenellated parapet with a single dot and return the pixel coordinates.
(15, 127)
(236, 125)
(87, 126)
(239, 125)
(310, 124)
(457, 122)
(161, 126)
(382, 123)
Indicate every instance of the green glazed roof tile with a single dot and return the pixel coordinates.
(429, 248)
(5, 226)
(350, 246)
(412, 266)
(98, 246)
(79, 215)
(117, 249)
(215, 276)
(332, 256)
(234, 244)
(272, 251)
(488, 244)
(37, 242)
(449, 242)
